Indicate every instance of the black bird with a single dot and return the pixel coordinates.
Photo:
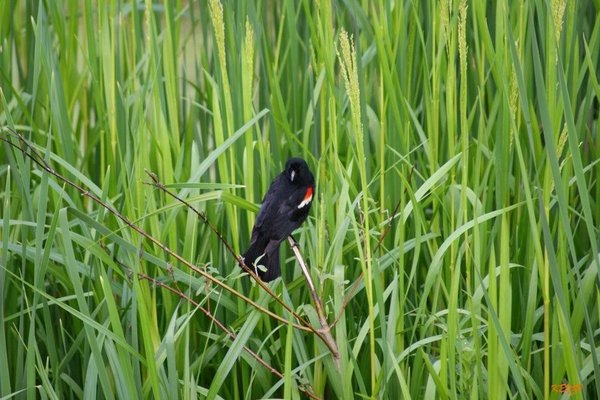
(283, 209)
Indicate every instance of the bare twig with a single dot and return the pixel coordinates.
(358, 280)
(325, 329)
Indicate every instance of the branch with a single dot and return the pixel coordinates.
(325, 329)
(354, 287)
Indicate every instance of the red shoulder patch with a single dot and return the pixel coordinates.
(309, 193)
(307, 197)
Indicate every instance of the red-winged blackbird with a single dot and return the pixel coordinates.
(284, 208)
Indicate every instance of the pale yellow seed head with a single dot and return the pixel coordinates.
(350, 74)
(558, 11)
(249, 46)
(462, 35)
(216, 16)
(445, 8)
(513, 98)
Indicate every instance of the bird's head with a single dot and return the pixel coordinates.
(296, 170)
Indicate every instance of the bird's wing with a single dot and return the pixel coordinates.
(267, 204)
(278, 217)
(282, 221)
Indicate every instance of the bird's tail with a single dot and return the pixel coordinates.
(270, 259)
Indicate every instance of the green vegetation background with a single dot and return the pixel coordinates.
(454, 239)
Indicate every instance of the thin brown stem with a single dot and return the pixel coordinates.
(325, 329)
(358, 280)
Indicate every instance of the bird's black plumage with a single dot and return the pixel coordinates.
(284, 208)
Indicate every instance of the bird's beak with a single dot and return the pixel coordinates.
(292, 175)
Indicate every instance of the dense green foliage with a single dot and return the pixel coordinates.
(454, 239)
